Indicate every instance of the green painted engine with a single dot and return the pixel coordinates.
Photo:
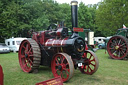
(117, 45)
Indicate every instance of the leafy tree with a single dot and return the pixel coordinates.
(65, 14)
(17, 17)
(8, 20)
(85, 17)
(111, 15)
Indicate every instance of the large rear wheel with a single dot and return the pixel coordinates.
(62, 65)
(117, 47)
(29, 55)
(90, 64)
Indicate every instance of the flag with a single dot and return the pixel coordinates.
(124, 26)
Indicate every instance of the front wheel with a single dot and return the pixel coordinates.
(62, 65)
(90, 64)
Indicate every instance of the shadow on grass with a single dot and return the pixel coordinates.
(44, 69)
(125, 59)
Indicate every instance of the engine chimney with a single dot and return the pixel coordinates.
(74, 16)
(74, 13)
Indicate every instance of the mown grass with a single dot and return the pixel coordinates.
(110, 72)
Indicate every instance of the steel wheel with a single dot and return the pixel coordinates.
(62, 65)
(117, 47)
(90, 64)
(29, 55)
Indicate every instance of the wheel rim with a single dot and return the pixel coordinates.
(91, 63)
(62, 65)
(29, 57)
(117, 47)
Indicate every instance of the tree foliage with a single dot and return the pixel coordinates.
(17, 17)
(111, 15)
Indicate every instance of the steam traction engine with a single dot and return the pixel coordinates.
(117, 45)
(55, 48)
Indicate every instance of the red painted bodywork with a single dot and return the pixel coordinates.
(78, 29)
(1, 76)
(86, 47)
(54, 81)
(56, 42)
(58, 32)
(46, 39)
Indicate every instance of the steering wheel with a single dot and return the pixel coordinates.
(52, 27)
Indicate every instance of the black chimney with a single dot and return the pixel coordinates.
(74, 16)
(74, 13)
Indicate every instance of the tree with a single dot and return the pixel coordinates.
(65, 14)
(8, 20)
(111, 15)
(84, 17)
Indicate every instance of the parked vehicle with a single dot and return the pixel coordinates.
(99, 39)
(14, 43)
(104, 45)
(101, 46)
(4, 48)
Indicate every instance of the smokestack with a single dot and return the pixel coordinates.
(74, 17)
(74, 13)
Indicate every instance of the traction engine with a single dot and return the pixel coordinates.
(117, 45)
(58, 50)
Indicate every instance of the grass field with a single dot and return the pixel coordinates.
(110, 72)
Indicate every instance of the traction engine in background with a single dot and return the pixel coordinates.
(117, 45)
(59, 50)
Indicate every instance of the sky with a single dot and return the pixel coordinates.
(85, 1)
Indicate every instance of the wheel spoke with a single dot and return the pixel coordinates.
(29, 52)
(123, 45)
(66, 69)
(90, 57)
(119, 53)
(87, 68)
(111, 48)
(25, 65)
(62, 59)
(57, 62)
(119, 42)
(26, 47)
(90, 68)
(61, 74)
(30, 61)
(93, 64)
(92, 60)
(22, 56)
(114, 42)
(114, 52)
(67, 73)
(66, 64)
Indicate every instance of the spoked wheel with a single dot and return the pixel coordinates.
(29, 55)
(90, 64)
(117, 47)
(62, 65)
